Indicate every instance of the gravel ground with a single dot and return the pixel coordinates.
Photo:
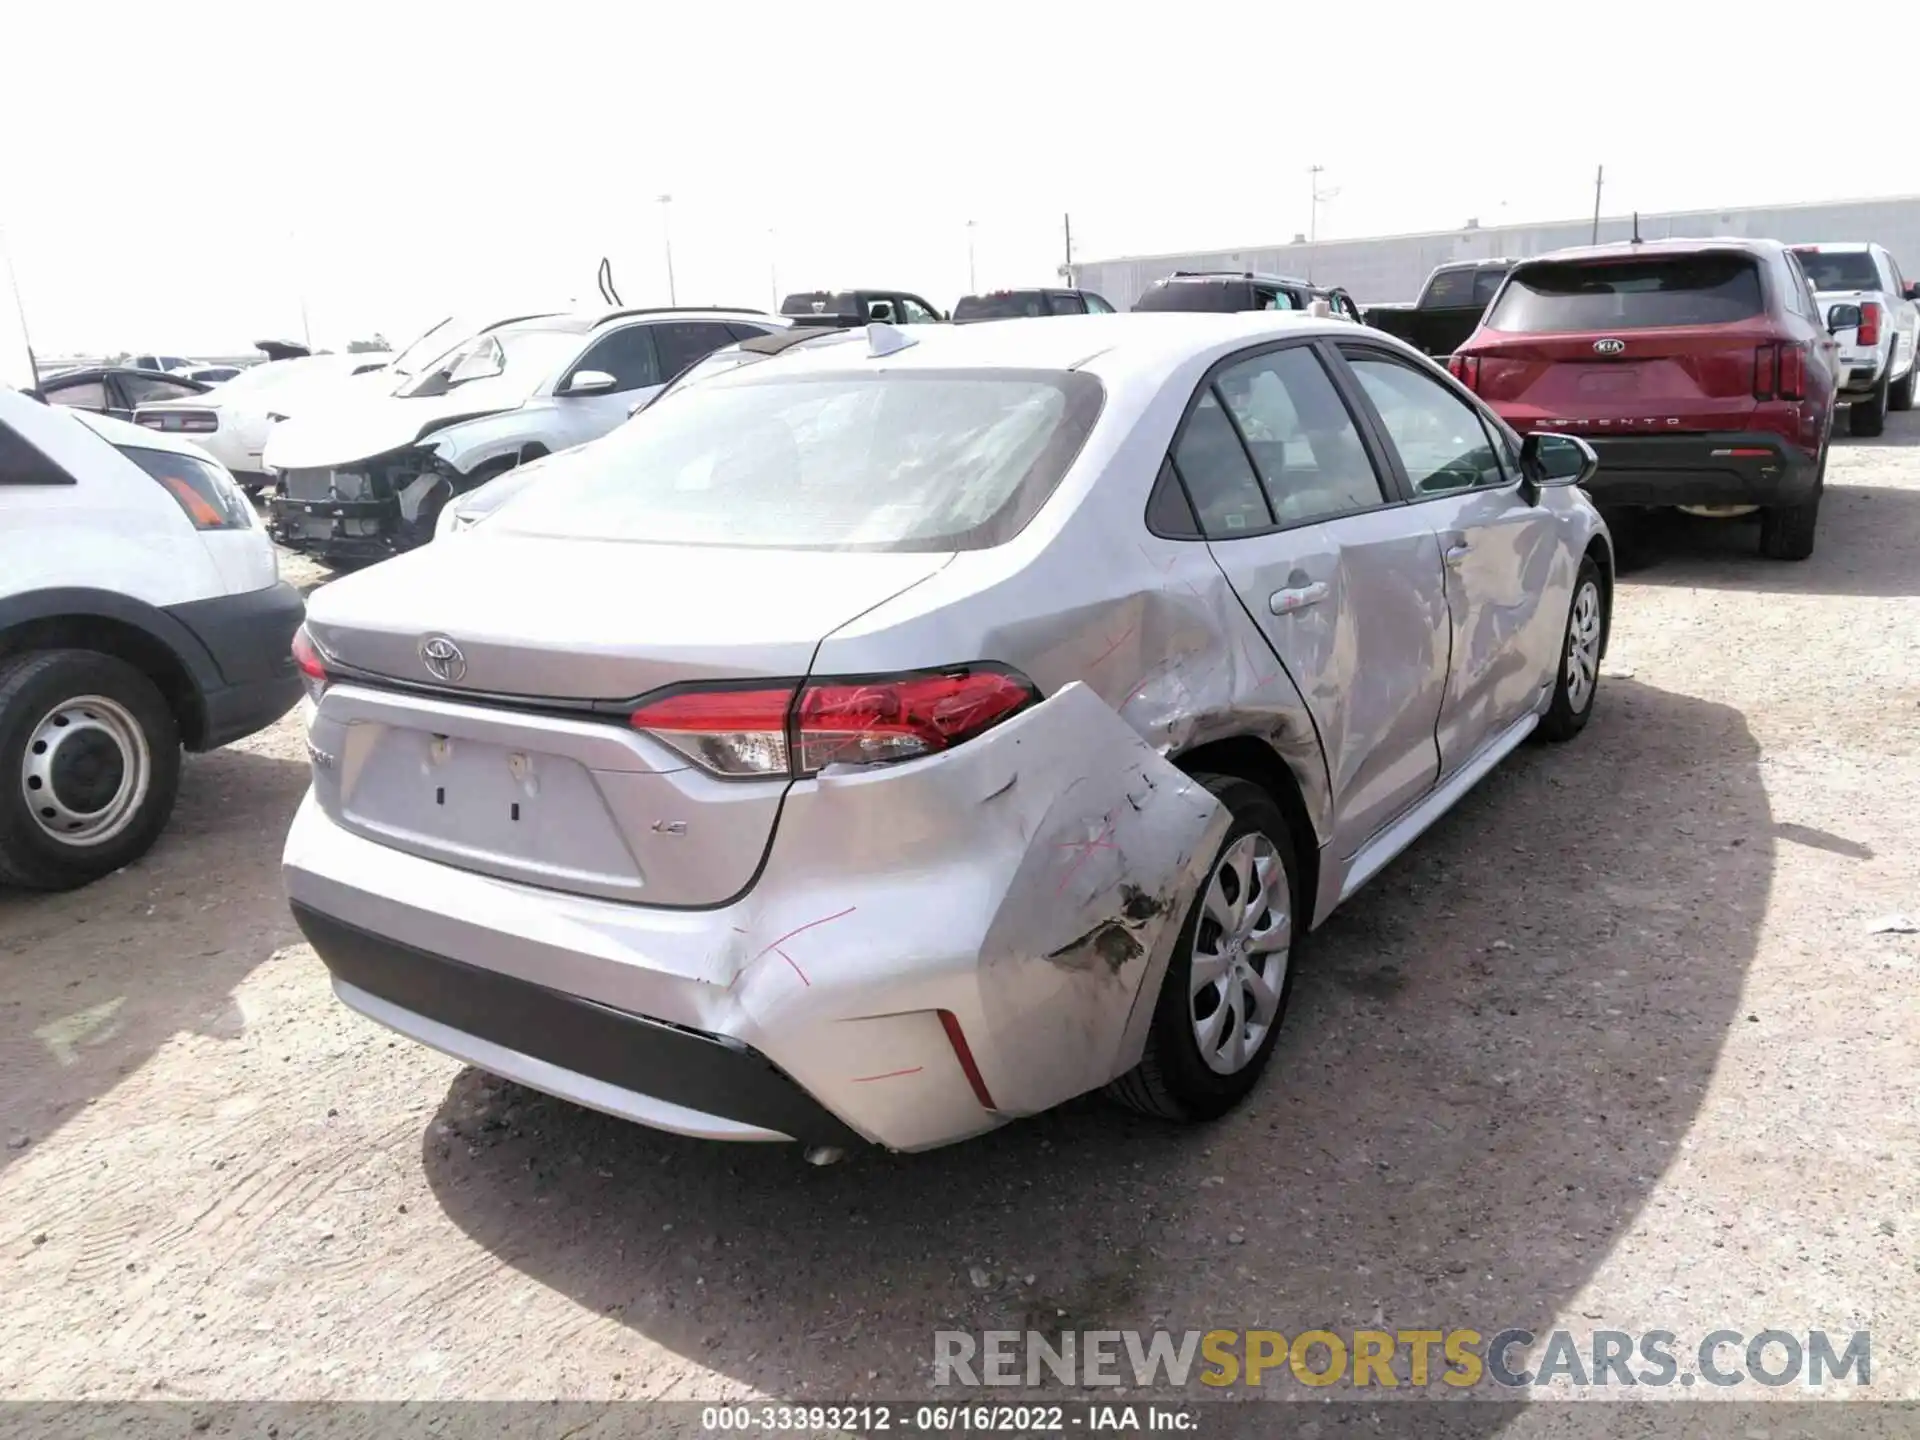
(1612, 1047)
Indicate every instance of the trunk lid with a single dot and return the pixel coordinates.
(1696, 378)
(523, 781)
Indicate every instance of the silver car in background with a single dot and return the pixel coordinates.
(886, 740)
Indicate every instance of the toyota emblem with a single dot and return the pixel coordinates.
(1608, 347)
(443, 659)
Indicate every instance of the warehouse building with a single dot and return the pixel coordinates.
(1393, 267)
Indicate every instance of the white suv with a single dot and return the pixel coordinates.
(1868, 306)
(141, 610)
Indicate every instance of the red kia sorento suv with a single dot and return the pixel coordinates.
(1699, 370)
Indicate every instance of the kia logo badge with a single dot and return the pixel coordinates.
(1608, 347)
(443, 659)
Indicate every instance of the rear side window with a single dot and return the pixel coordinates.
(1485, 282)
(1449, 288)
(203, 491)
(86, 395)
(1069, 305)
(681, 342)
(146, 389)
(1208, 296)
(1629, 294)
(1097, 305)
(1840, 269)
(1006, 305)
(24, 463)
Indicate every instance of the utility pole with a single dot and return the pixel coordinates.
(1599, 179)
(666, 239)
(1067, 270)
(972, 288)
(773, 267)
(1313, 211)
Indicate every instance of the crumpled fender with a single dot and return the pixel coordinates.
(1031, 883)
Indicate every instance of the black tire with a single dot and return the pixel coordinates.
(1867, 416)
(1566, 718)
(1172, 1080)
(32, 687)
(1900, 397)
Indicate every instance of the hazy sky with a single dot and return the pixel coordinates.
(177, 175)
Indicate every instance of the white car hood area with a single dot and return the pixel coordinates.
(345, 428)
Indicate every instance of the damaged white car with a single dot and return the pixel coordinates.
(883, 741)
(366, 477)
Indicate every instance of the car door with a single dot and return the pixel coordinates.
(1505, 592)
(629, 356)
(1342, 579)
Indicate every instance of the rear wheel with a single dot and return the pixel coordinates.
(1225, 993)
(1579, 678)
(1867, 416)
(1900, 397)
(89, 767)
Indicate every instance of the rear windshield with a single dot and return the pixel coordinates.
(1212, 297)
(821, 302)
(1551, 298)
(1007, 305)
(897, 460)
(1839, 269)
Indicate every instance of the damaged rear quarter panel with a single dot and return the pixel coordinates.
(1032, 882)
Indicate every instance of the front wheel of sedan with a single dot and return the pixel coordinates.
(1578, 680)
(1226, 987)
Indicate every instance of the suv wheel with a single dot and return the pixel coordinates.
(1786, 531)
(1867, 416)
(89, 767)
(1226, 987)
(1900, 397)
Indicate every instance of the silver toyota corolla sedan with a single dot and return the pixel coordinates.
(886, 740)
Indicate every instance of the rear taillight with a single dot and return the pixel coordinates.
(306, 659)
(1869, 333)
(1780, 372)
(1465, 369)
(760, 732)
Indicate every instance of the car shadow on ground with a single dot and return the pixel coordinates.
(1864, 547)
(93, 981)
(1493, 1053)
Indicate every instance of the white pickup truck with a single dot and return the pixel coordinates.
(1870, 308)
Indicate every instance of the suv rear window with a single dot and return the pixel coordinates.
(1006, 305)
(1213, 297)
(1839, 269)
(1550, 298)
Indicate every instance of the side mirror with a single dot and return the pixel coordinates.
(1551, 461)
(590, 382)
(1913, 292)
(1843, 317)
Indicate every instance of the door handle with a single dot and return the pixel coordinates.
(1457, 553)
(1297, 597)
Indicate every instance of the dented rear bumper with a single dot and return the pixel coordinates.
(930, 948)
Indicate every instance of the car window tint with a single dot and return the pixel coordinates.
(915, 313)
(24, 463)
(146, 389)
(681, 342)
(1069, 305)
(83, 395)
(1306, 448)
(1221, 482)
(1441, 442)
(1548, 297)
(1096, 305)
(628, 356)
(1276, 300)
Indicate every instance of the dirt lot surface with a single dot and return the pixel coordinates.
(1614, 1046)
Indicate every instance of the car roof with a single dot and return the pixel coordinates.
(721, 313)
(1617, 249)
(1137, 342)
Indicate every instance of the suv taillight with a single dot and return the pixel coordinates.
(1465, 369)
(1869, 333)
(760, 733)
(306, 658)
(1780, 372)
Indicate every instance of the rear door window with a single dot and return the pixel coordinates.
(85, 395)
(1640, 294)
(1068, 305)
(1305, 446)
(681, 342)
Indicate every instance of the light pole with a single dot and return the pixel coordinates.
(971, 286)
(666, 239)
(773, 267)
